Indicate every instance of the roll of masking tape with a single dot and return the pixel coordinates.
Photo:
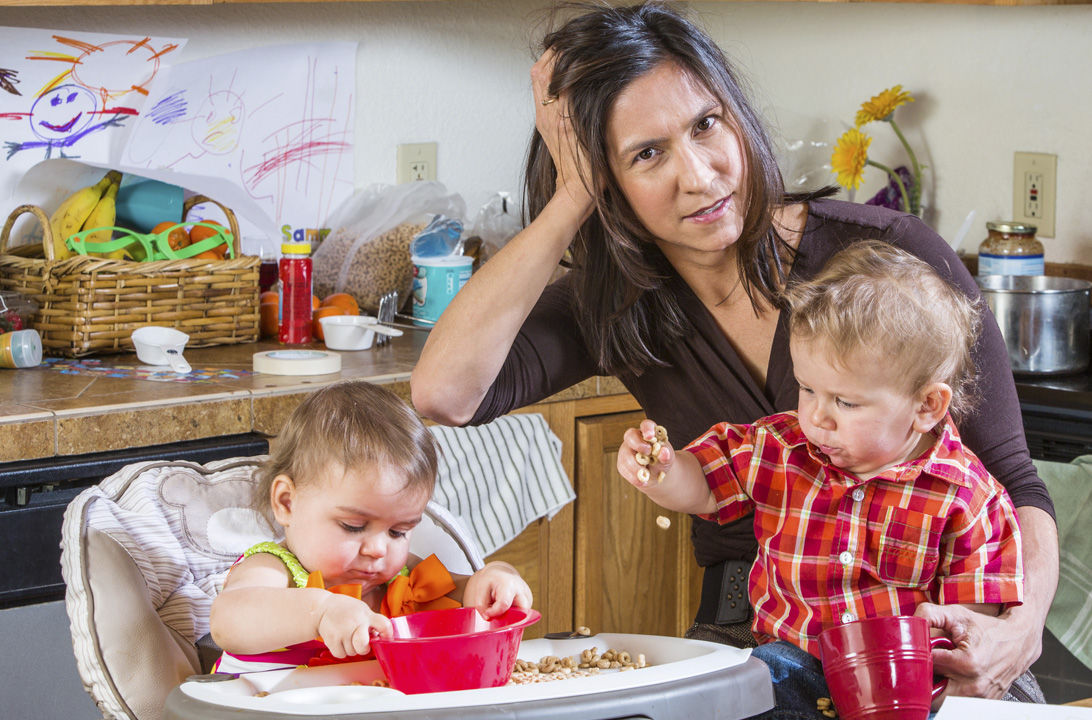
(296, 362)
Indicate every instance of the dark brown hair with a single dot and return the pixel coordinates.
(874, 297)
(352, 423)
(620, 277)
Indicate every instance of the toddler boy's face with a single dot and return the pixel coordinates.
(354, 526)
(856, 411)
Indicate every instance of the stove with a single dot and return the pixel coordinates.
(1057, 411)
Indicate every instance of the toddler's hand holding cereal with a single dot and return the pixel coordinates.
(496, 588)
(345, 625)
(645, 456)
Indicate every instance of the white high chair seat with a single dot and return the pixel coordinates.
(145, 552)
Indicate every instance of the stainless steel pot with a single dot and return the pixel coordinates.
(1044, 319)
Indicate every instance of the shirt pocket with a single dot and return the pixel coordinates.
(904, 547)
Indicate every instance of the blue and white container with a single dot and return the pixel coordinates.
(435, 282)
(20, 349)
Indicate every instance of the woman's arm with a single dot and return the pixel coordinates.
(467, 347)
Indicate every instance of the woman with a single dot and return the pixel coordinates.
(651, 168)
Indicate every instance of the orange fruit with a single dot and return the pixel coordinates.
(269, 316)
(269, 297)
(345, 301)
(178, 237)
(316, 326)
(315, 302)
(201, 232)
(208, 255)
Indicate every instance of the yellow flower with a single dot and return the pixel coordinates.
(848, 159)
(881, 106)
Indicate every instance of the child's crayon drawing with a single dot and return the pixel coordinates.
(66, 94)
(287, 145)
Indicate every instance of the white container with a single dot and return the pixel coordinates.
(348, 332)
(161, 346)
(353, 332)
(435, 282)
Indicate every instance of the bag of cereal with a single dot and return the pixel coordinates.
(367, 253)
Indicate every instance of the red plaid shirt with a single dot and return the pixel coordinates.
(833, 548)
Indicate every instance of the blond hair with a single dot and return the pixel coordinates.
(875, 297)
(351, 423)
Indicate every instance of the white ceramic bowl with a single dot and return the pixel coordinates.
(348, 332)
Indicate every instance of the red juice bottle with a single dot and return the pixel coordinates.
(295, 275)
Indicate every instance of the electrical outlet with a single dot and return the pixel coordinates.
(416, 161)
(1035, 190)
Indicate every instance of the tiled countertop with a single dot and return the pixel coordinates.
(69, 407)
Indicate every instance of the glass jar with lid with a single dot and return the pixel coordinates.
(1010, 248)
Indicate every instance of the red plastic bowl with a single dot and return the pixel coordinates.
(454, 649)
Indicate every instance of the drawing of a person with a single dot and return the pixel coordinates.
(60, 118)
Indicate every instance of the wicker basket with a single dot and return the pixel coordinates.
(90, 305)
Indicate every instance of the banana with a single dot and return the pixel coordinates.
(103, 216)
(74, 211)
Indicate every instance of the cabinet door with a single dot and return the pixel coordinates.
(631, 575)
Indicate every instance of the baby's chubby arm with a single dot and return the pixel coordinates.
(258, 611)
(494, 589)
(683, 487)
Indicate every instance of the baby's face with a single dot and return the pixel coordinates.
(354, 526)
(857, 413)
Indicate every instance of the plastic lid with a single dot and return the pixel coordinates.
(1011, 226)
(296, 248)
(26, 348)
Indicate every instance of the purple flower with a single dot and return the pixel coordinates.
(889, 197)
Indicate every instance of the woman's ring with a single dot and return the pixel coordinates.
(548, 100)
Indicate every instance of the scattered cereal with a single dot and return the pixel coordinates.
(589, 662)
(663, 521)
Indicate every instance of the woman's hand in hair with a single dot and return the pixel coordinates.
(555, 126)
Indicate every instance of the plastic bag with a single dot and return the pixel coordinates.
(441, 238)
(496, 223)
(16, 311)
(367, 251)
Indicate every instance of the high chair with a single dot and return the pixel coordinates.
(144, 554)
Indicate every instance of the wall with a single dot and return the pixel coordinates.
(456, 72)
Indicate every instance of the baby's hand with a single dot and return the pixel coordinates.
(645, 456)
(495, 588)
(346, 625)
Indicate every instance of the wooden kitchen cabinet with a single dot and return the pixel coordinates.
(631, 575)
(602, 561)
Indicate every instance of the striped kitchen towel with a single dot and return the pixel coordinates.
(500, 477)
(1070, 617)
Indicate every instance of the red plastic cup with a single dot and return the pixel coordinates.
(882, 668)
(456, 649)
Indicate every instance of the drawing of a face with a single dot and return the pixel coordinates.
(217, 124)
(62, 112)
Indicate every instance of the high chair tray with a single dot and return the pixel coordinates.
(685, 679)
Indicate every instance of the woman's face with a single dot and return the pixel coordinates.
(679, 162)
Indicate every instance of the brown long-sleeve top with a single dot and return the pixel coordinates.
(706, 382)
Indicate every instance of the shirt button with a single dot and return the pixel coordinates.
(848, 617)
(846, 557)
(858, 494)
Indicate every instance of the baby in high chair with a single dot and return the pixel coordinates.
(348, 480)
